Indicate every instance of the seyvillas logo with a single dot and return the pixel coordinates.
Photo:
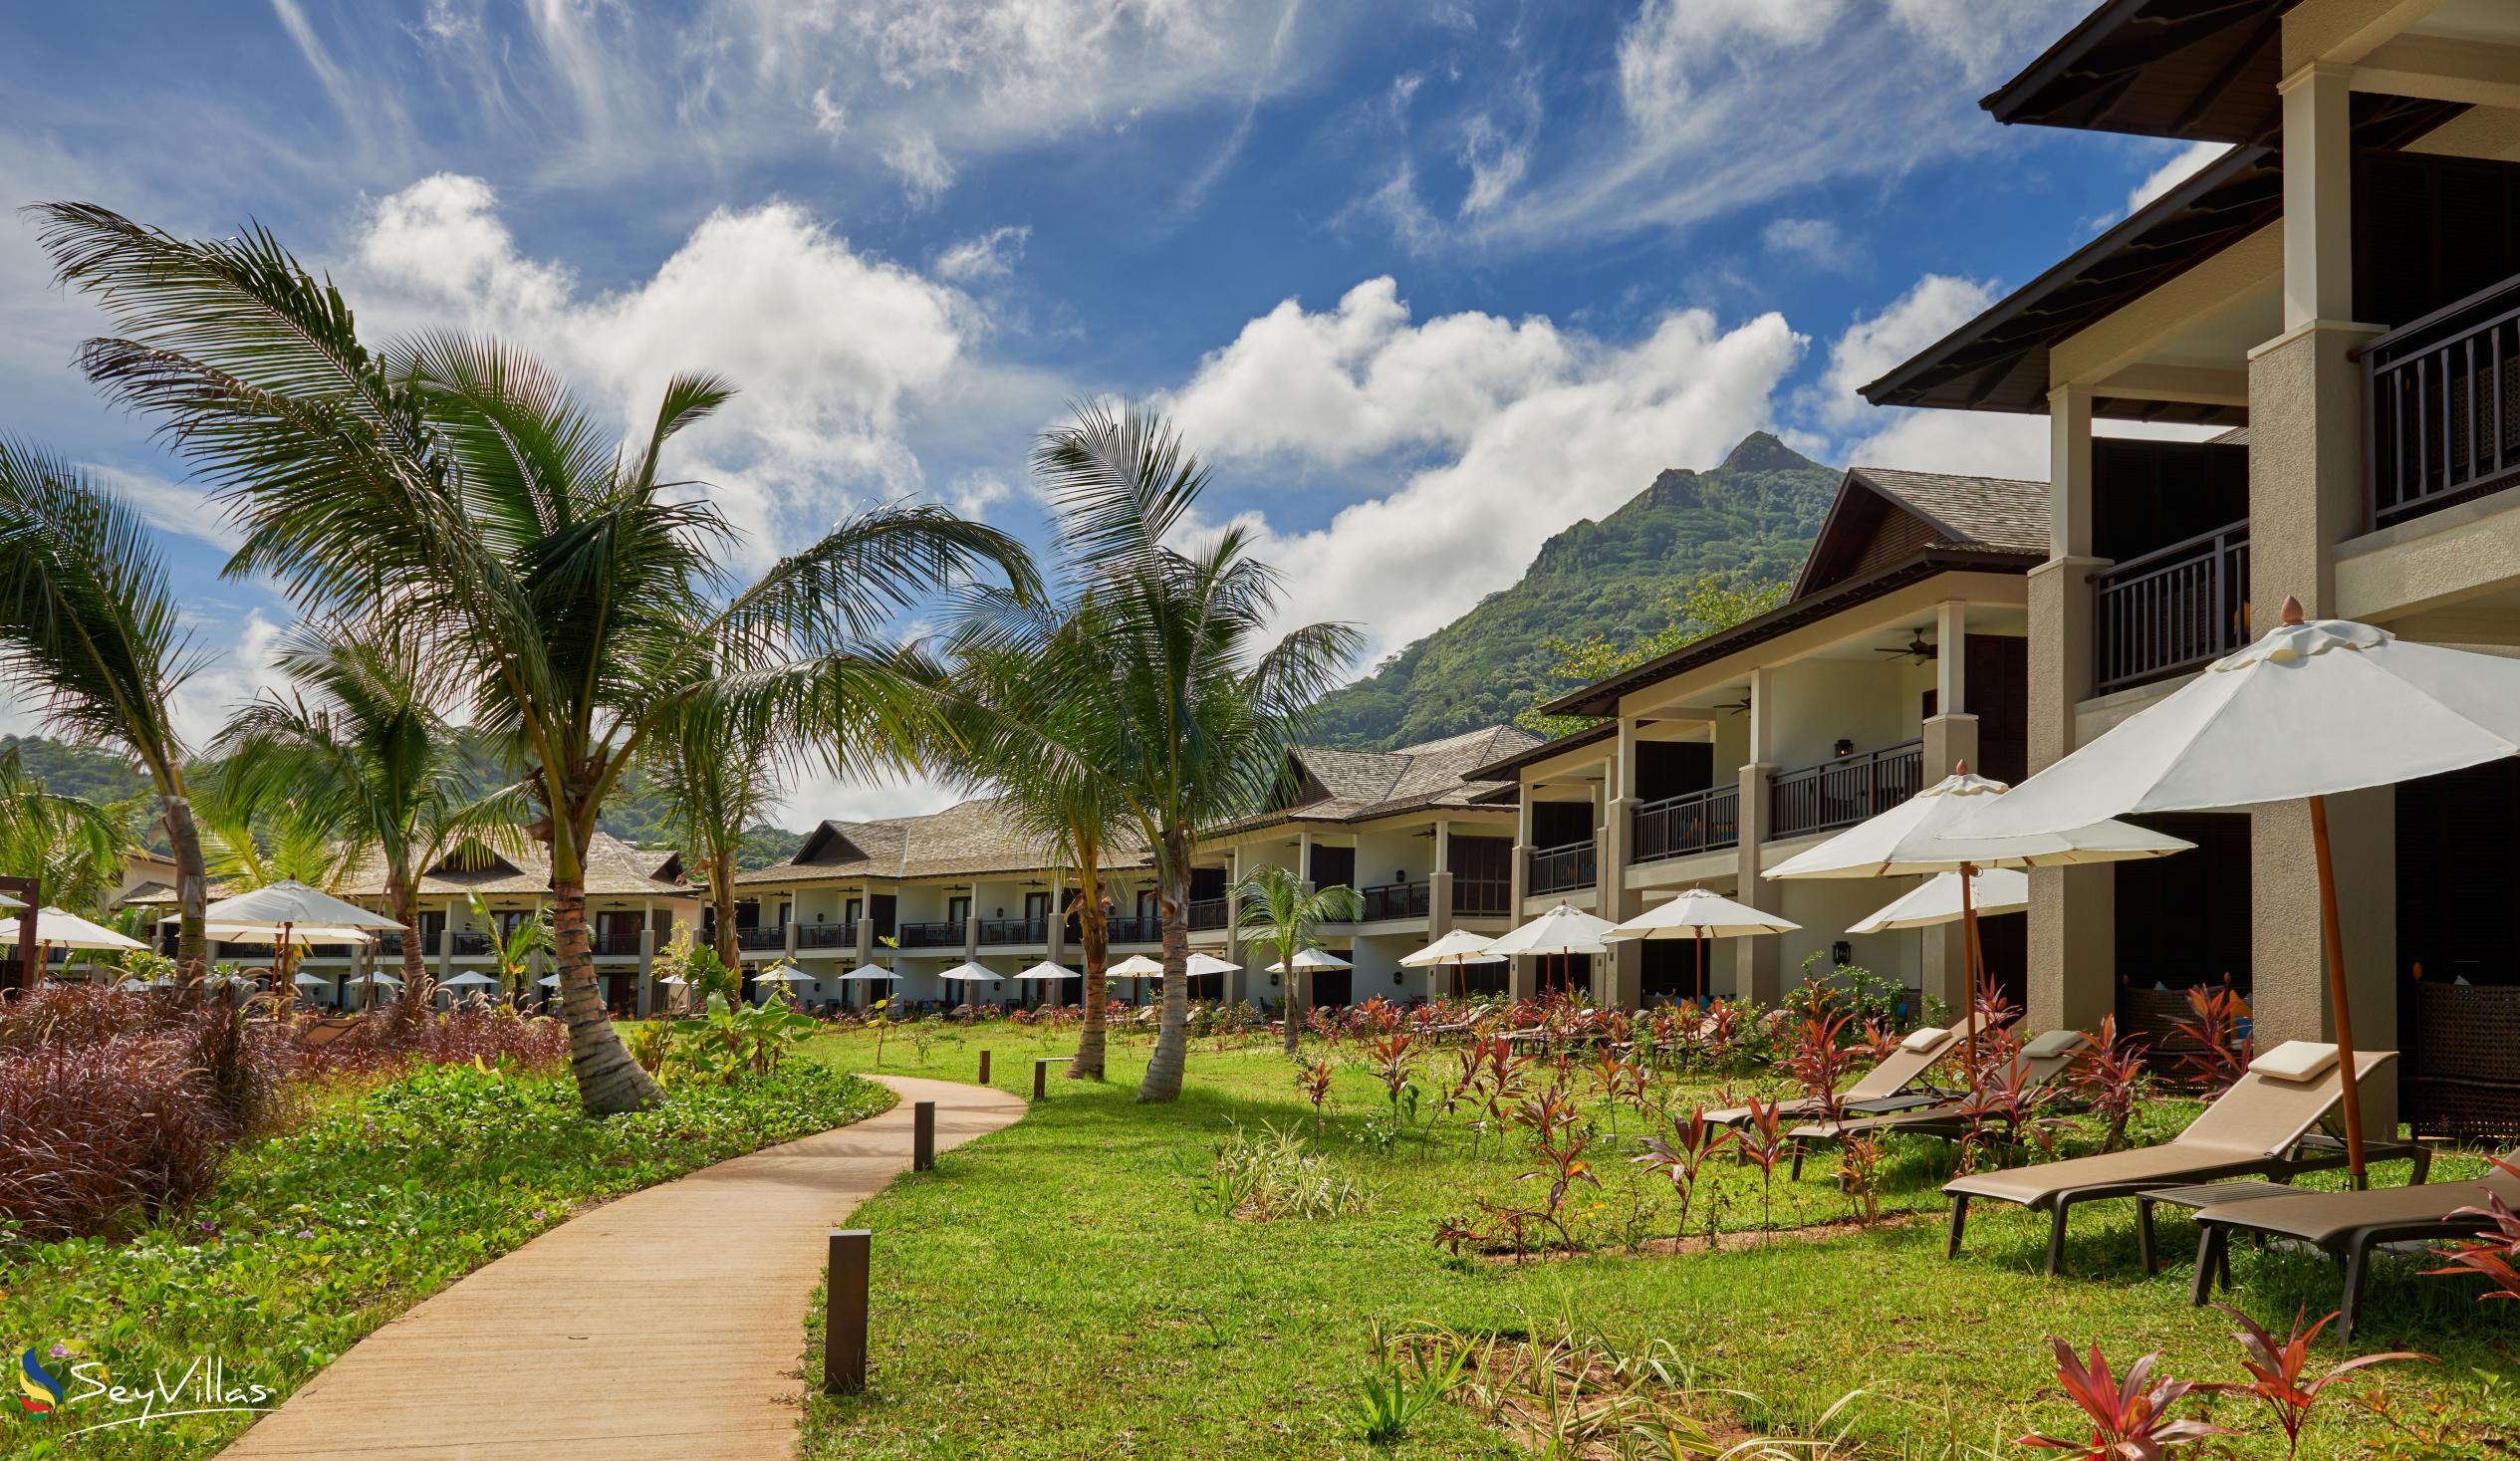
(38, 1392)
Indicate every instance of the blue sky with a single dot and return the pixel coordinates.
(1426, 280)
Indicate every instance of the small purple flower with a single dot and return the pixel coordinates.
(61, 1351)
(210, 1228)
(537, 1214)
(305, 1233)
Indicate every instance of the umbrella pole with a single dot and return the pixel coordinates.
(1971, 971)
(1702, 971)
(2333, 934)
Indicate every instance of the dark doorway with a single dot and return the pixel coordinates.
(1560, 824)
(1482, 875)
(1333, 866)
(1674, 769)
(1332, 989)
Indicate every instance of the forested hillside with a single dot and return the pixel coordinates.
(1753, 516)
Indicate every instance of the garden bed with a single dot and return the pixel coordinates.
(380, 1197)
(1058, 1290)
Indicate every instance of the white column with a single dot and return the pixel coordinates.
(2317, 195)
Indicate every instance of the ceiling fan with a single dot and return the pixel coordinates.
(1740, 707)
(1917, 649)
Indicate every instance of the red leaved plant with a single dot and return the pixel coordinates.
(2495, 1253)
(2108, 1075)
(2276, 1370)
(1693, 1140)
(2130, 1417)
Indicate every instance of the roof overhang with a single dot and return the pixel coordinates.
(2196, 70)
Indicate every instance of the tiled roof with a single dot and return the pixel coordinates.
(969, 838)
(1357, 786)
(613, 868)
(520, 866)
(2002, 513)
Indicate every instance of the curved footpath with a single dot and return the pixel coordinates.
(666, 1323)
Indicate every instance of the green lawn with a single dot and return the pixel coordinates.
(1055, 1291)
(379, 1199)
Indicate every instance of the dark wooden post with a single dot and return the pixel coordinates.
(984, 1068)
(844, 1313)
(30, 893)
(1041, 1079)
(923, 1136)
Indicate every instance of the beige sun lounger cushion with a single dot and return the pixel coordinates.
(2254, 1122)
(2043, 1068)
(2325, 1217)
(1895, 1072)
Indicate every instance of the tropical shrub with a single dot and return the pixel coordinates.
(2278, 1370)
(2495, 1253)
(2129, 1417)
(2110, 1078)
(105, 1134)
(462, 1036)
(2223, 1050)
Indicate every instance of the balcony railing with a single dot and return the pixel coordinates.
(471, 945)
(616, 943)
(390, 942)
(2170, 611)
(1482, 896)
(931, 936)
(1394, 900)
(1694, 822)
(2444, 401)
(826, 935)
(1846, 791)
(1209, 914)
(762, 936)
(1136, 930)
(1014, 930)
(1562, 869)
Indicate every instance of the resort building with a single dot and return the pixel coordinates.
(471, 901)
(2345, 284)
(923, 894)
(1899, 652)
(1423, 837)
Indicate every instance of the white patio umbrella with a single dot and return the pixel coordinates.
(1457, 948)
(2313, 708)
(1937, 900)
(469, 979)
(7, 901)
(286, 908)
(1563, 931)
(973, 974)
(1697, 915)
(1134, 968)
(865, 973)
(299, 935)
(56, 928)
(1204, 964)
(1919, 836)
(1046, 970)
(1312, 959)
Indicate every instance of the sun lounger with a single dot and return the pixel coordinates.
(2048, 1057)
(2347, 1226)
(2252, 1129)
(1884, 1087)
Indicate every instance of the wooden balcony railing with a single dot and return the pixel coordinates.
(937, 936)
(1562, 869)
(1136, 930)
(1846, 791)
(1482, 897)
(1014, 930)
(2170, 611)
(1394, 900)
(826, 935)
(1694, 822)
(1209, 914)
(2441, 397)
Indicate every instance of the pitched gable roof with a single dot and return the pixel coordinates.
(970, 837)
(1358, 786)
(1883, 516)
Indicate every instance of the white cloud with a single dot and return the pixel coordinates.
(1497, 154)
(1818, 240)
(1718, 105)
(1932, 308)
(169, 507)
(991, 255)
(2184, 164)
(1500, 432)
(831, 348)
(973, 494)
(619, 91)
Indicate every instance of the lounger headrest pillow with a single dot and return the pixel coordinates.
(1924, 1039)
(2296, 1060)
(2055, 1043)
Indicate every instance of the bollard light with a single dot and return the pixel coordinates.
(844, 1313)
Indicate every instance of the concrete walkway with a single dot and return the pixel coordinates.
(666, 1324)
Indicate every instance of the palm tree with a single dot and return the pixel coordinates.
(718, 776)
(370, 750)
(88, 620)
(1201, 713)
(561, 583)
(1274, 912)
(1021, 736)
(72, 846)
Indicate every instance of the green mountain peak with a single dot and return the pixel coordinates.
(1754, 514)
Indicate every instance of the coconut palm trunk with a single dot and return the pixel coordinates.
(722, 908)
(609, 1081)
(193, 892)
(1093, 931)
(1172, 1033)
